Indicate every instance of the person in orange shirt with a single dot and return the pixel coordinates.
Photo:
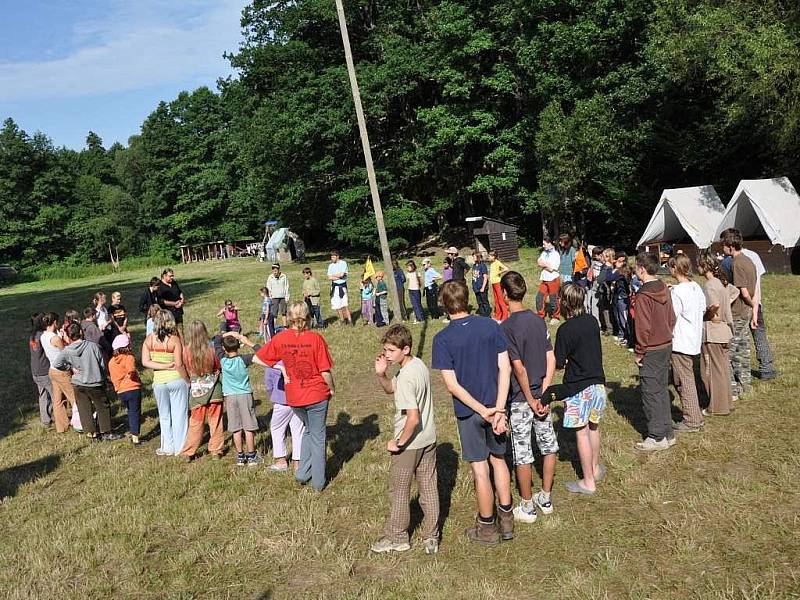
(127, 384)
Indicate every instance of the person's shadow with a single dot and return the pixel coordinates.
(627, 401)
(348, 439)
(13, 477)
(446, 471)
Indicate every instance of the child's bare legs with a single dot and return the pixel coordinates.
(586, 456)
(295, 465)
(502, 479)
(237, 441)
(525, 481)
(484, 493)
(548, 472)
(594, 438)
(250, 440)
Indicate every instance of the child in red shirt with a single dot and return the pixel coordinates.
(309, 386)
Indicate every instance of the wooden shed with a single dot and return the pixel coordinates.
(492, 234)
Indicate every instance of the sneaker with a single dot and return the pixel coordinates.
(545, 505)
(135, 440)
(160, 452)
(505, 523)
(651, 445)
(526, 514)
(671, 441)
(484, 533)
(110, 437)
(240, 459)
(253, 460)
(554, 321)
(682, 427)
(384, 545)
(431, 545)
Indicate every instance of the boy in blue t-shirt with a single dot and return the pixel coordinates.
(480, 284)
(463, 351)
(238, 394)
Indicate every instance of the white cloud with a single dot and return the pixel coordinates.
(135, 45)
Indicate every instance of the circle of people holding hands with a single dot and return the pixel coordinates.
(500, 405)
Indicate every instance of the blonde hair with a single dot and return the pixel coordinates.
(298, 315)
(164, 324)
(115, 295)
(571, 300)
(153, 311)
(609, 254)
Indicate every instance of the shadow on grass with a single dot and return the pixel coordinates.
(420, 343)
(348, 439)
(627, 401)
(13, 477)
(447, 471)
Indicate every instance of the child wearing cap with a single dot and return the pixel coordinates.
(125, 378)
(430, 277)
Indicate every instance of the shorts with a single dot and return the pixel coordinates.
(240, 412)
(478, 440)
(522, 423)
(337, 302)
(585, 407)
(279, 306)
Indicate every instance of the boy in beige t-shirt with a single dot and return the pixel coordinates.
(413, 445)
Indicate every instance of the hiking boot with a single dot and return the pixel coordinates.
(385, 545)
(431, 545)
(505, 520)
(651, 445)
(544, 504)
(525, 512)
(240, 459)
(682, 427)
(484, 533)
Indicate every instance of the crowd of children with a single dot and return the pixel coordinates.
(499, 371)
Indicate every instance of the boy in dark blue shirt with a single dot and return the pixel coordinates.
(472, 354)
(480, 284)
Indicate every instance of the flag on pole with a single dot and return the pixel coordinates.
(369, 270)
(581, 264)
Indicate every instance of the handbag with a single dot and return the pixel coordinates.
(203, 388)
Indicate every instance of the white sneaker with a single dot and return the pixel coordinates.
(651, 445)
(545, 505)
(384, 545)
(526, 515)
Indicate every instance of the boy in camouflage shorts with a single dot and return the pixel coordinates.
(533, 363)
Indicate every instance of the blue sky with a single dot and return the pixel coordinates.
(70, 66)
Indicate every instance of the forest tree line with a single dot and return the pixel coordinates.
(572, 112)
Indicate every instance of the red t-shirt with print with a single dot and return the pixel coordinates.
(305, 356)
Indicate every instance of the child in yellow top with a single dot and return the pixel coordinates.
(496, 270)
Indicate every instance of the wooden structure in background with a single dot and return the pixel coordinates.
(491, 234)
(202, 252)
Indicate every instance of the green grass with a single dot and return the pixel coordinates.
(715, 517)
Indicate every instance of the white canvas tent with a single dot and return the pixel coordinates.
(769, 207)
(692, 211)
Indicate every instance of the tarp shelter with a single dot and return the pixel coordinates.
(681, 213)
(767, 212)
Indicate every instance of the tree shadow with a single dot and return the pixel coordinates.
(13, 477)
(446, 474)
(627, 402)
(348, 439)
(421, 339)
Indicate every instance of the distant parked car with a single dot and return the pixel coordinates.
(7, 273)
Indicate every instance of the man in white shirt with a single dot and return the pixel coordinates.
(337, 275)
(549, 282)
(757, 328)
(278, 288)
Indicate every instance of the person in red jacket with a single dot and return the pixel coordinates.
(655, 320)
(309, 386)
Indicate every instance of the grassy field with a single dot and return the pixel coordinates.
(715, 517)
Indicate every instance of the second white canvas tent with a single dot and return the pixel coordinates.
(692, 211)
(769, 207)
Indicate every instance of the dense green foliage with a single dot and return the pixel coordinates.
(571, 112)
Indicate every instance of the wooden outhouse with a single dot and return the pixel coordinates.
(492, 234)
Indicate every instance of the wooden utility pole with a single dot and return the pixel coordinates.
(373, 184)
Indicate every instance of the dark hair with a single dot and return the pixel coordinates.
(395, 264)
(597, 251)
(514, 286)
(412, 264)
(307, 271)
(398, 336)
(448, 262)
(565, 237)
(88, 312)
(571, 299)
(36, 323)
(71, 315)
(154, 281)
(335, 252)
(167, 270)
(648, 261)
(230, 343)
(75, 331)
(454, 296)
(732, 238)
(708, 262)
(547, 238)
(620, 254)
(48, 319)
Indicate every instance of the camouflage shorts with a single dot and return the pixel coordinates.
(524, 423)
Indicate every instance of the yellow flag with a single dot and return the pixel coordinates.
(369, 270)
